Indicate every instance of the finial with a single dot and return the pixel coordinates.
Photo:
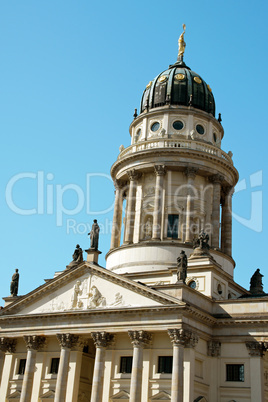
(182, 44)
(219, 118)
(135, 114)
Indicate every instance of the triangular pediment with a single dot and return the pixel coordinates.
(120, 396)
(161, 396)
(85, 288)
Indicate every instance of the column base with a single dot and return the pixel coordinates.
(93, 255)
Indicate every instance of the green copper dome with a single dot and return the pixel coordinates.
(178, 85)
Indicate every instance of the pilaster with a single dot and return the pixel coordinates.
(215, 217)
(160, 172)
(131, 203)
(117, 217)
(190, 173)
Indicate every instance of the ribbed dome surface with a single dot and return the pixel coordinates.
(178, 85)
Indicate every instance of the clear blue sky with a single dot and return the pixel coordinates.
(72, 73)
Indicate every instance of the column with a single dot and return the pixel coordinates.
(66, 341)
(256, 351)
(117, 218)
(213, 351)
(190, 173)
(138, 339)
(101, 340)
(180, 338)
(227, 213)
(215, 217)
(158, 201)
(6, 345)
(33, 344)
(131, 202)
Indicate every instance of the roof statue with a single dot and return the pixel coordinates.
(14, 285)
(94, 235)
(256, 286)
(182, 44)
(77, 257)
(182, 267)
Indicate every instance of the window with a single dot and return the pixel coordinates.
(126, 364)
(54, 365)
(173, 226)
(165, 364)
(22, 366)
(178, 125)
(200, 129)
(234, 372)
(155, 126)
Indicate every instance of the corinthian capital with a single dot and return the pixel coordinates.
(34, 342)
(256, 348)
(133, 174)
(102, 339)
(139, 338)
(216, 179)
(67, 340)
(183, 337)
(191, 172)
(160, 170)
(8, 345)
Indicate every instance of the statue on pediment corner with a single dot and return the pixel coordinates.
(14, 285)
(94, 235)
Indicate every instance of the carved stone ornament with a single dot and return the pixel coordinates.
(191, 172)
(182, 267)
(34, 342)
(256, 286)
(8, 345)
(216, 178)
(68, 340)
(214, 348)
(95, 298)
(183, 337)
(140, 338)
(201, 246)
(160, 170)
(102, 339)
(256, 348)
(133, 174)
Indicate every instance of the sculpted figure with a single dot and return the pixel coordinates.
(182, 267)
(96, 299)
(148, 229)
(182, 44)
(78, 254)
(94, 235)
(202, 241)
(14, 285)
(76, 292)
(256, 286)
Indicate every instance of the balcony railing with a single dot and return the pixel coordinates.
(169, 143)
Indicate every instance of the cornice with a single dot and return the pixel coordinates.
(196, 154)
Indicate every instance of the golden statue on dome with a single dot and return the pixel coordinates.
(182, 44)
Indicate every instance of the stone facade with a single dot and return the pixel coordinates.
(131, 331)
